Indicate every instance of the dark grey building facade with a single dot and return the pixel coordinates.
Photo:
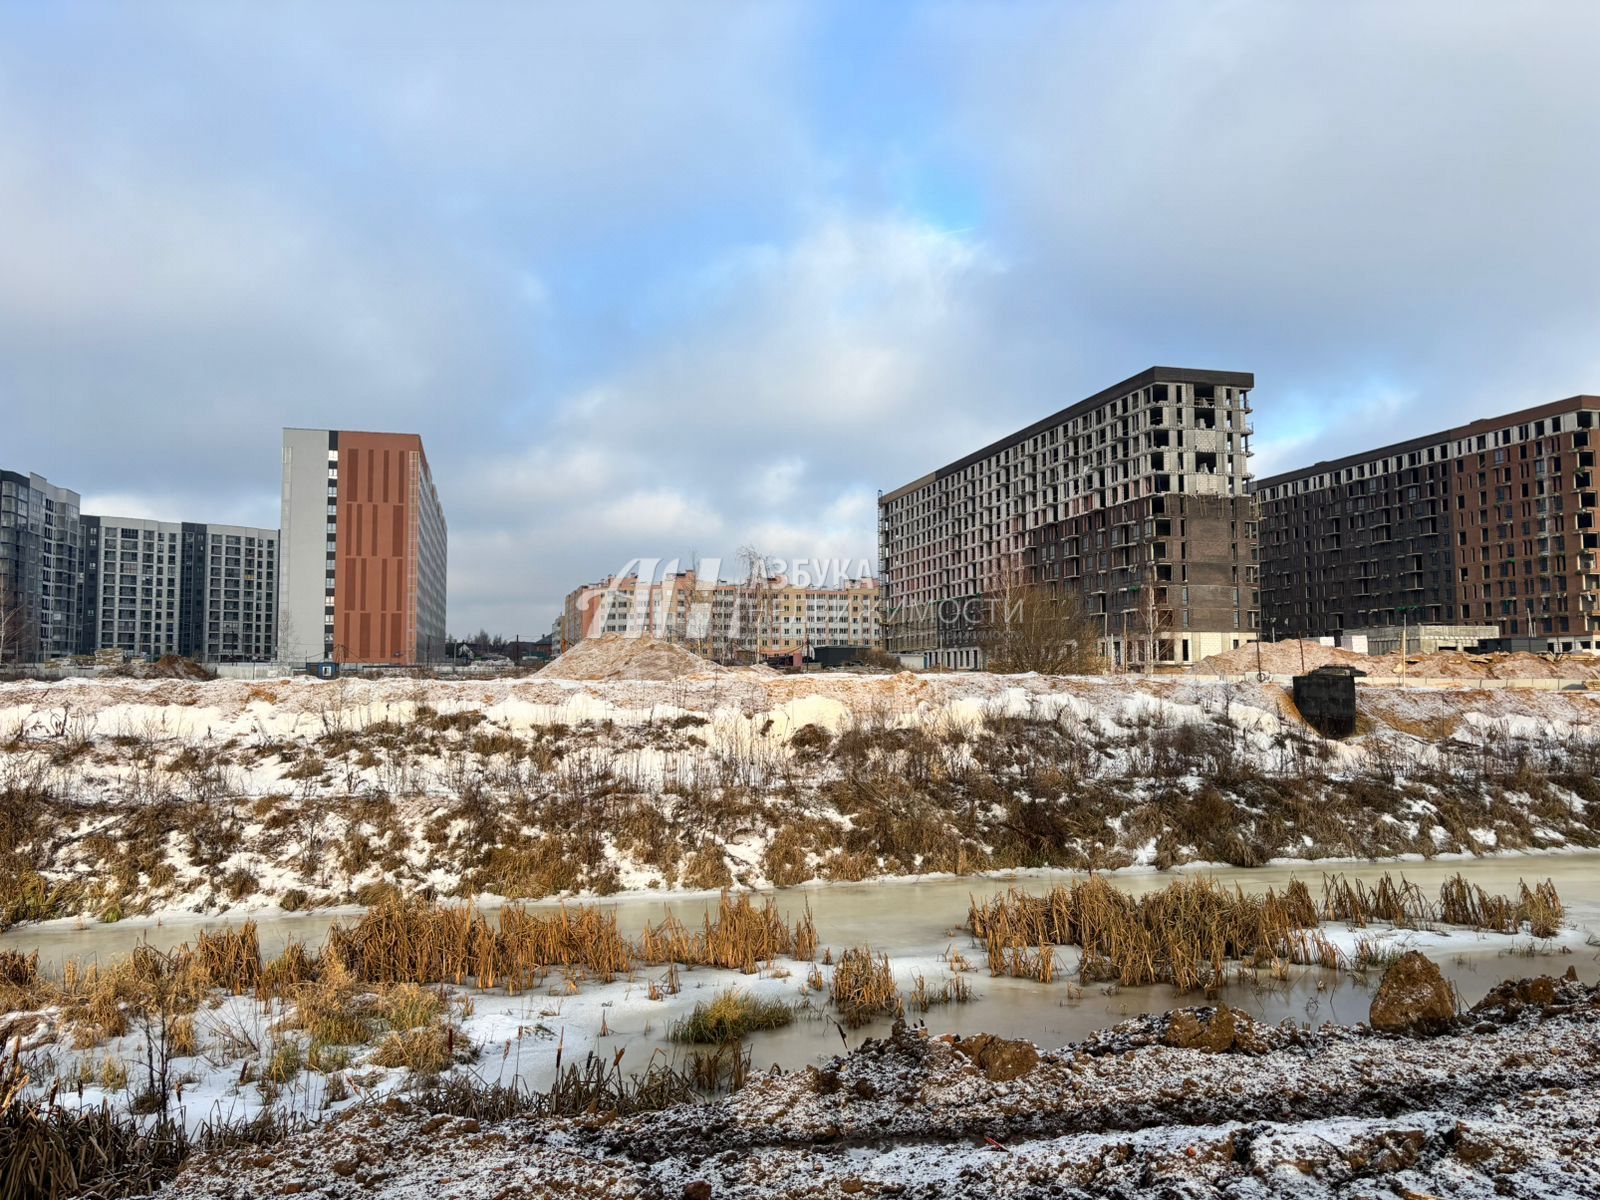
(1488, 523)
(40, 568)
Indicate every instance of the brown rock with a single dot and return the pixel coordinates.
(698, 1190)
(1413, 998)
(998, 1058)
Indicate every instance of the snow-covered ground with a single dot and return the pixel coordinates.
(161, 795)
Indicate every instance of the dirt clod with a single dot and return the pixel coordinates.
(1413, 998)
(999, 1059)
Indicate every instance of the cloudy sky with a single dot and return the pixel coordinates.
(669, 278)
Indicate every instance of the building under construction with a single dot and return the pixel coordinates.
(1133, 504)
(1491, 523)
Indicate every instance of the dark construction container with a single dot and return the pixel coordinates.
(837, 656)
(1326, 698)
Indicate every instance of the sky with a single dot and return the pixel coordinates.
(669, 279)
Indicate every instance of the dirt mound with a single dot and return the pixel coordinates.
(1320, 1115)
(618, 657)
(1294, 656)
(1413, 998)
(999, 1059)
(1452, 664)
(168, 666)
(1282, 658)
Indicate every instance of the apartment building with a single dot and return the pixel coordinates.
(1133, 503)
(1491, 522)
(364, 548)
(41, 548)
(767, 616)
(151, 588)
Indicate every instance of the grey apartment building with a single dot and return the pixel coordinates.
(1491, 522)
(1134, 501)
(72, 583)
(41, 548)
(207, 592)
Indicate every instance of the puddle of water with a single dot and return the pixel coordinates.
(919, 921)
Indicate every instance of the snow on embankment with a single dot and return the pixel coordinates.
(132, 795)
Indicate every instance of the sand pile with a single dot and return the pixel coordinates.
(1452, 664)
(1283, 658)
(618, 657)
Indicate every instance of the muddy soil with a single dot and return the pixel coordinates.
(1505, 1102)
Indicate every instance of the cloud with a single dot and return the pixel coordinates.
(793, 381)
(1322, 194)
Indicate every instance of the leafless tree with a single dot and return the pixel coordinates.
(15, 627)
(1026, 628)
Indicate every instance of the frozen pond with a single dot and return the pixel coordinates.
(916, 923)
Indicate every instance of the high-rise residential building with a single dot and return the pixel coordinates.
(1133, 503)
(132, 586)
(40, 563)
(207, 592)
(363, 550)
(1492, 522)
(770, 615)
(237, 620)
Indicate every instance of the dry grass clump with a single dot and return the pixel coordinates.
(1542, 909)
(705, 868)
(333, 1009)
(407, 1006)
(19, 980)
(731, 1017)
(25, 895)
(49, 1151)
(1398, 903)
(1463, 903)
(416, 941)
(285, 1060)
(955, 990)
(374, 973)
(742, 936)
(98, 1002)
(1186, 933)
(863, 987)
(425, 1051)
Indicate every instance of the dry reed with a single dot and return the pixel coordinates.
(863, 987)
(1187, 933)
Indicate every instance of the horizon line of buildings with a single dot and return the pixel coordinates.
(354, 573)
(1136, 504)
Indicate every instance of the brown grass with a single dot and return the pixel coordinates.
(1187, 933)
(863, 987)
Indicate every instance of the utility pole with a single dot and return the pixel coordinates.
(1403, 640)
(1124, 639)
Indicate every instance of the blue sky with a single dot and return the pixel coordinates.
(661, 279)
